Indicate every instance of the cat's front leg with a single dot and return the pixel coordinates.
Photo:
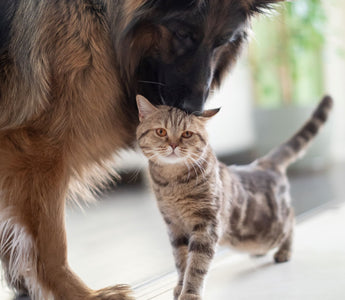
(201, 249)
(179, 242)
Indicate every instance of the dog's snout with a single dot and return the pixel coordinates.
(194, 104)
(191, 107)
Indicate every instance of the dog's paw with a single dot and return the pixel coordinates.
(282, 256)
(118, 292)
(189, 297)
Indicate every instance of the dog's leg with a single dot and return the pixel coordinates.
(19, 255)
(15, 243)
(33, 184)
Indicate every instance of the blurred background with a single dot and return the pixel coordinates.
(294, 57)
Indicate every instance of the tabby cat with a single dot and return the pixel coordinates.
(205, 203)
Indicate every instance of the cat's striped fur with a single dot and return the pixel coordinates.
(205, 203)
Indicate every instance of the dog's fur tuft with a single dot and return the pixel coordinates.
(19, 250)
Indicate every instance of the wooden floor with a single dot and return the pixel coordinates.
(122, 239)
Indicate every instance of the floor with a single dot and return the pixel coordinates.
(122, 239)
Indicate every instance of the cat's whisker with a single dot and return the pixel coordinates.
(202, 170)
(196, 172)
(198, 164)
(200, 158)
(152, 156)
(150, 151)
(186, 163)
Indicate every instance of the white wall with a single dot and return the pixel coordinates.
(334, 64)
(232, 130)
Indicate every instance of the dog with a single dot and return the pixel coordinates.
(69, 73)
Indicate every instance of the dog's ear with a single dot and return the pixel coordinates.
(260, 6)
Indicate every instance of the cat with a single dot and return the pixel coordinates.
(205, 203)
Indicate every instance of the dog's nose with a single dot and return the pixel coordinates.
(194, 103)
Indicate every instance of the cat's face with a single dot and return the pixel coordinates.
(168, 135)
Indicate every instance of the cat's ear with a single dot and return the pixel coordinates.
(145, 107)
(209, 113)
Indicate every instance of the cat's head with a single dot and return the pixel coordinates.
(168, 135)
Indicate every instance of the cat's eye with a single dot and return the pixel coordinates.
(187, 134)
(161, 132)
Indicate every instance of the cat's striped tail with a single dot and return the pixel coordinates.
(288, 152)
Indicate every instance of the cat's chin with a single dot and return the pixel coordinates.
(171, 160)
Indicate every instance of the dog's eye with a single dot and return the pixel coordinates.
(221, 42)
(183, 35)
(187, 134)
(161, 132)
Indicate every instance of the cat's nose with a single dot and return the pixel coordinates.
(173, 146)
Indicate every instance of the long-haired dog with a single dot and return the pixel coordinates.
(69, 73)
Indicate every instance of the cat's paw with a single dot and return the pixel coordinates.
(282, 256)
(189, 297)
(118, 292)
(177, 292)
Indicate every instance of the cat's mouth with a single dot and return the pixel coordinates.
(173, 154)
(172, 158)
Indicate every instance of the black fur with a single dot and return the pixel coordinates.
(176, 68)
(7, 11)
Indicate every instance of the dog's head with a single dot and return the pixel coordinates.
(176, 50)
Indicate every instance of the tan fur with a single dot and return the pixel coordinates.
(50, 137)
(205, 203)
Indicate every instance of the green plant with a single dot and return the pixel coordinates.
(286, 58)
